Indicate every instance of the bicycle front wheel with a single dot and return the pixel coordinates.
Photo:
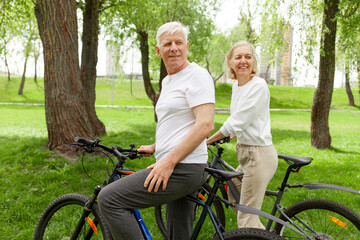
(61, 217)
(321, 219)
(249, 234)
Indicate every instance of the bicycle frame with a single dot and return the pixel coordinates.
(119, 171)
(219, 163)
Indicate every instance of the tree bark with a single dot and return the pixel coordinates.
(89, 60)
(163, 74)
(66, 116)
(320, 135)
(347, 86)
(22, 84)
(144, 49)
(7, 68)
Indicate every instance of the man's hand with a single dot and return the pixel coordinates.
(160, 174)
(147, 149)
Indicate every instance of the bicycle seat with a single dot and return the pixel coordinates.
(224, 174)
(296, 161)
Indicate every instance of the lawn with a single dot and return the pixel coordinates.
(123, 92)
(32, 176)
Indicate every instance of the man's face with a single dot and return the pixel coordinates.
(173, 49)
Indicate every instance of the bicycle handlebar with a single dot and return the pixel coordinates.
(119, 152)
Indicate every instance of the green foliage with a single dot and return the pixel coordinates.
(32, 176)
(14, 20)
(131, 18)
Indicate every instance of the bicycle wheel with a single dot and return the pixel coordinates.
(160, 212)
(249, 234)
(322, 220)
(61, 217)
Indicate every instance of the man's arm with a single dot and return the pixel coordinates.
(162, 170)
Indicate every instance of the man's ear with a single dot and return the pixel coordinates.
(157, 49)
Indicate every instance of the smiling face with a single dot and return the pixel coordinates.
(173, 49)
(242, 61)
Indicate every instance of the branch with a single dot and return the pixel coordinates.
(352, 11)
(102, 7)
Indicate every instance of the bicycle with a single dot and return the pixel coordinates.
(307, 216)
(74, 215)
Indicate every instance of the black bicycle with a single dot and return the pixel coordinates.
(77, 216)
(314, 218)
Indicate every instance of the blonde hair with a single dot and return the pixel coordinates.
(230, 71)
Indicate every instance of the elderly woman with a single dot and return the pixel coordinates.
(249, 121)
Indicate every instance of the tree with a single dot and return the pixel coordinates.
(348, 37)
(140, 20)
(90, 36)
(37, 48)
(65, 94)
(28, 37)
(347, 85)
(9, 25)
(320, 134)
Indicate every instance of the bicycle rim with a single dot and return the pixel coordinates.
(322, 220)
(61, 217)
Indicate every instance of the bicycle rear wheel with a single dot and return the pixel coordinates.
(61, 217)
(321, 219)
(217, 206)
(249, 234)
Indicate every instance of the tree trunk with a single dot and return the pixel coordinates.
(35, 67)
(347, 86)
(22, 84)
(8, 70)
(89, 60)
(320, 135)
(144, 49)
(66, 116)
(163, 74)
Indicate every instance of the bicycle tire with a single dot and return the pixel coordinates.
(61, 217)
(248, 234)
(219, 211)
(330, 220)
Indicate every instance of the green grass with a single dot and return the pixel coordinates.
(124, 92)
(32, 176)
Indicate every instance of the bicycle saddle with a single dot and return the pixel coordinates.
(296, 161)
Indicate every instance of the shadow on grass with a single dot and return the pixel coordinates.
(338, 150)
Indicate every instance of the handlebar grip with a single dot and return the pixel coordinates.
(83, 140)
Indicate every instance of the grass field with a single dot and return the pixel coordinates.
(131, 93)
(32, 176)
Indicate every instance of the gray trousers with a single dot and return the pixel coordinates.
(118, 199)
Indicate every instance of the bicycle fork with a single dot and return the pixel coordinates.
(85, 217)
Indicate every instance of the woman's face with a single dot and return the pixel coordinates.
(242, 61)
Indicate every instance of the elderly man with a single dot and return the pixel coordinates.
(185, 112)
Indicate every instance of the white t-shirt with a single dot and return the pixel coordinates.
(181, 92)
(250, 113)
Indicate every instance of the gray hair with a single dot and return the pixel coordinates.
(231, 73)
(171, 28)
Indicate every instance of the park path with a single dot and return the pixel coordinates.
(217, 110)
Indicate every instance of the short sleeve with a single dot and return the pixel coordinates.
(200, 89)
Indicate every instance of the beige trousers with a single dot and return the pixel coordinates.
(259, 165)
